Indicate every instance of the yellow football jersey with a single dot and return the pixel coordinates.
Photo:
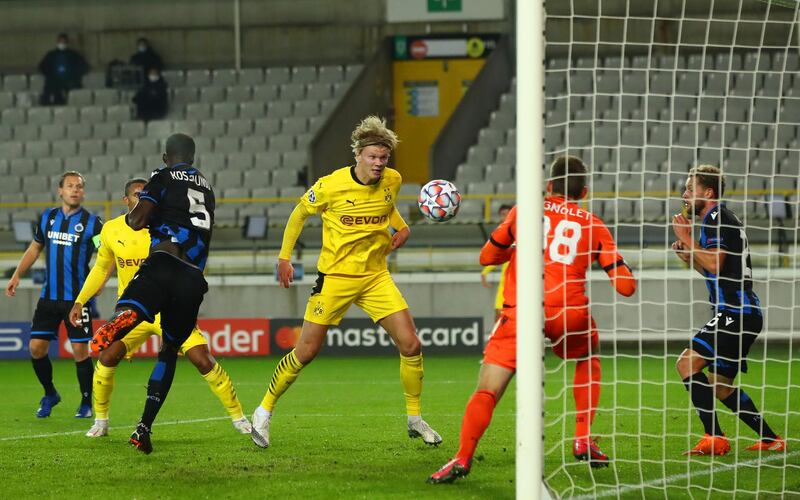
(355, 220)
(122, 247)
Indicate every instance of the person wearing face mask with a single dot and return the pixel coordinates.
(146, 57)
(151, 99)
(63, 69)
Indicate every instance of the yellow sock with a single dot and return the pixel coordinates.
(220, 384)
(285, 373)
(103, 382)
(411, 376)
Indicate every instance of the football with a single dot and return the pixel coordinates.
(439, 200)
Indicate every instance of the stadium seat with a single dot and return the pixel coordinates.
(491, 138)
(284, 177)
(212, 128)
(28, 132)
(281, 143)
(49, 167)
(37, 149)
(499, 172)
(251, 76)
(240, 161)
(118, 147)
(81, 97)
(131, 164)
(467, 172)
(198, 77)
(40, 116)
(294, 125)
(239, 93)
(252, 110)
(15, 83)
(157, 129)
(306, 108)
(276, 75)
(319, 91)
(279, 109)
(107, 130)
(296, 160)
(269, 160)
(147, 146)
(304, 74)
(227, 178)
(14, 116)
(22, 166)
(256, 179)
(225, 111)
(131, 129)
(189, 127)
(330, 74)
(182, 96)
(634, 82)
(265, 93)
(240, 127)
(254, 143)
(105, 97)
(174, 77)
(198, 111)
(35, 183)
(292, 91)
(6, 100)
(261, 192)
(266, 127)
(226, 145)
(92, 114)
(224, 77)
(212, 94)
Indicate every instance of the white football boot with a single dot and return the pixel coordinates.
(260, 432)
(99, 429)
(420, 428)
(243, 425)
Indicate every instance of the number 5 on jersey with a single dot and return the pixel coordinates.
(197, 207)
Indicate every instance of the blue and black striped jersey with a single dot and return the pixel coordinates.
(732, 288)
(184, 211)
(69, 241)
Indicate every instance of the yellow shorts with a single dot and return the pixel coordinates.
(333, 294)
(144, 330)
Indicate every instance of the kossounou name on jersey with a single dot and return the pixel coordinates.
(185, 214)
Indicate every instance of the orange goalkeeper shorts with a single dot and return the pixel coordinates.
(572, 331)
(501, 349)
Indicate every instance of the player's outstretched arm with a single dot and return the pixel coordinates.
(25, 263)
(294, 226)
(402, 231)
(500, 246)
(138, 218)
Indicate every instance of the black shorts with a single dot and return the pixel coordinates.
(725, 341)
(167, 285)
(50, 313)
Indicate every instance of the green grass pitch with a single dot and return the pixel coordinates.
(340, 432)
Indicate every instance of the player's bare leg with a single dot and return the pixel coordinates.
(220, 384)
(43, 368)
(308, 346)
(492, 383)
(400, 326)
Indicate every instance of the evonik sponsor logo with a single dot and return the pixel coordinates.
(360, 220)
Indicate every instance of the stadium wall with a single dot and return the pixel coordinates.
(667, 306)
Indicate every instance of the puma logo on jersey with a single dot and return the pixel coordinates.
(351, 202)
(121, 242)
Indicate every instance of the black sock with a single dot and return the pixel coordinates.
(85, 371)
(703, 399)
(159, 384)
(741, 404)
(44, 372)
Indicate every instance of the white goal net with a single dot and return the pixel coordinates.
(643, 90)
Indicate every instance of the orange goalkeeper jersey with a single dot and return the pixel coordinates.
(574, 239)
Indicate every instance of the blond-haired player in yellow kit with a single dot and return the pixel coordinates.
(121, 245)
(502, 212)
(357, 206)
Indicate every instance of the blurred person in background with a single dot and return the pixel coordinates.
(146, 57)
(151, 98)
(63, 69)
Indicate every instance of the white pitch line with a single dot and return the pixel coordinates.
(678, 477)
(212, 419)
